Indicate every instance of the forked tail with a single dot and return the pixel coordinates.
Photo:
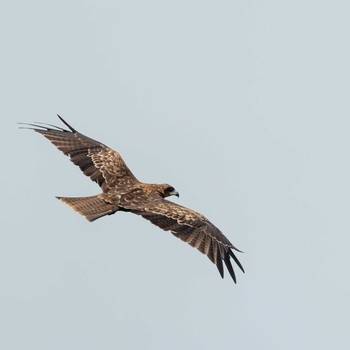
(93, 207)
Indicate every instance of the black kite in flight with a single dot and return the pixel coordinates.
(121, 191)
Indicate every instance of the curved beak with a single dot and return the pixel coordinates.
(175, 193)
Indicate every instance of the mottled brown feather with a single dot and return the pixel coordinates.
(193, 228)
(102, 164)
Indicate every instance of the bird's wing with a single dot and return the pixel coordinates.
(191, 227)
(101, 163)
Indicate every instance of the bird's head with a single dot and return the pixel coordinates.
(168, 190)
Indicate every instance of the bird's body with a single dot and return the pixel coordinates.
(122, 191)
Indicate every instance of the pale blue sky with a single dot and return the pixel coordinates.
(243, 106)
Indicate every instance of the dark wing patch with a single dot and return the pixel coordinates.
(101, 163)
(194, 229)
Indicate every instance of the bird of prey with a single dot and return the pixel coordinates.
(122, 191)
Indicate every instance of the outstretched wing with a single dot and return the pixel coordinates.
(194, 229)
(101, 163)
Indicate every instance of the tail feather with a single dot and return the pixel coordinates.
(92, 207)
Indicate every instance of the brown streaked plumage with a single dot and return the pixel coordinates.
(121, 191)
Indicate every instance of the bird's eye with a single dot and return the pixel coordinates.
(170, 189)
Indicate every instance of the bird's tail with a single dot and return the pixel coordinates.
(93, 207)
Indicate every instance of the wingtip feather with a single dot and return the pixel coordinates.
(64, 122)
(230, 268)
(236, 260)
